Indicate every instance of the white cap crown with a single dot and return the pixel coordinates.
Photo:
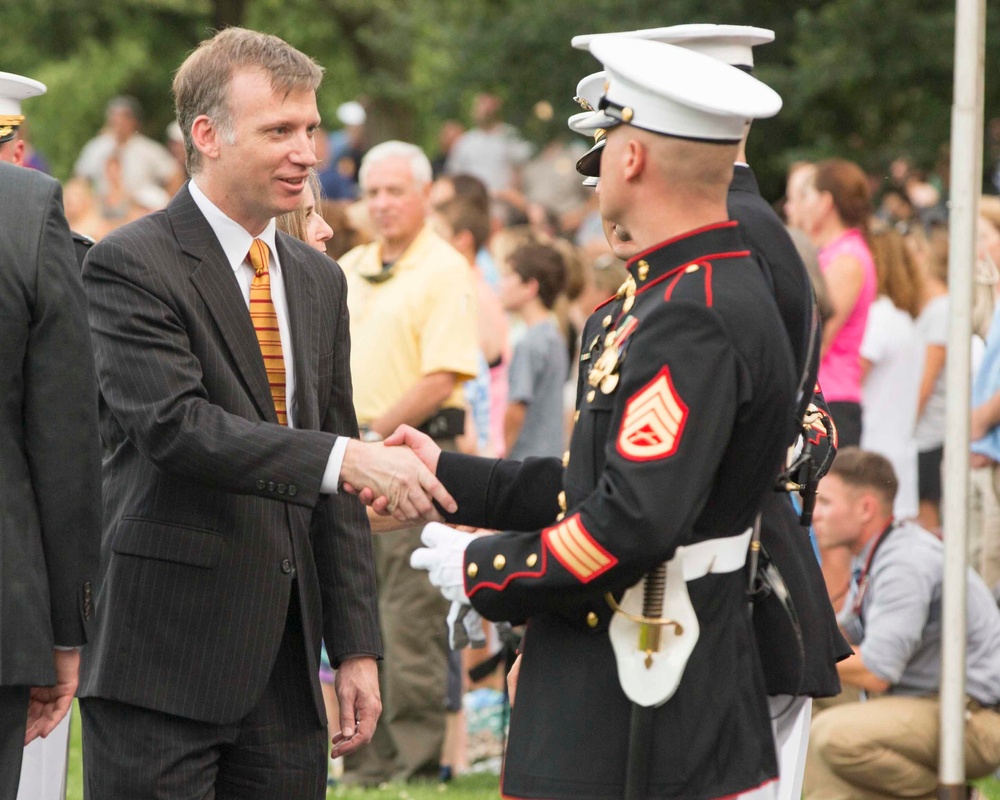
(731, 44)
(14, 89)
(678, 92)
(589, 92)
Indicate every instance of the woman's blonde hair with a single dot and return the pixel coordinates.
(899, 276)
(294, 222)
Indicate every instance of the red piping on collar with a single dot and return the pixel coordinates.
(663, 277)
(675, 270)
(729, 223)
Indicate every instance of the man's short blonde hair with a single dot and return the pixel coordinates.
(866, 470)
(201, 85)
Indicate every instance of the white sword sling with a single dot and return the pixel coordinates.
(654, 629)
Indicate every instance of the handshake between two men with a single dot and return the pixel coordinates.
(402, 492)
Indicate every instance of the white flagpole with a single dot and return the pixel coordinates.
(966, 172)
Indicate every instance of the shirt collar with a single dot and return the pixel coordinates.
(234, 238)
(858, 562)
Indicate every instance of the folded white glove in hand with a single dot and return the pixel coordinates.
(444, 559)
(465, 627)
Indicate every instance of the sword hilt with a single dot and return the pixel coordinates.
(653, 592)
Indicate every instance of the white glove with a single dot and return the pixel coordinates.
(444, 559)
(465, 627)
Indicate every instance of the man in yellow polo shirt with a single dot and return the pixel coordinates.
(413, 345)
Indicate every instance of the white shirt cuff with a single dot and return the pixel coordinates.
(331, 478)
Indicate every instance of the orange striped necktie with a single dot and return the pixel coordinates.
(265, 323)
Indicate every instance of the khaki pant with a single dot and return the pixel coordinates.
(984, 523)
(888, 748)
(413, 677)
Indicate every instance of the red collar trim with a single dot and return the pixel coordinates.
(729, 223)
(707, 259)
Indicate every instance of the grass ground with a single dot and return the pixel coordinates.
(465, 787)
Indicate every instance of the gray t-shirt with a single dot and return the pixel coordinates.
(899, 626)
(538, 371)
(490, 155)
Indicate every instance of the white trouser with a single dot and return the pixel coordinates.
(790, 718)
(43, 767)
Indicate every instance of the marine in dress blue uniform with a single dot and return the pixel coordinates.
(799, 662)
(685, 402)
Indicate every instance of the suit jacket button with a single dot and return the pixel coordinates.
(499, 562)
(282, 488)
(592, 619)
(286, 566)
(261, 485)
(270, 486)
(293, 490)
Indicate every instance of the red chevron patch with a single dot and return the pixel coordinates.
(653, 421)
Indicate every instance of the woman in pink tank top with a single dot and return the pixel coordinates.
(836, 205)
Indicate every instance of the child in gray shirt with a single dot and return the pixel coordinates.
(533, 277)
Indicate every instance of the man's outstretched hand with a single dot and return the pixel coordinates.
(426, 450)
(397, 479)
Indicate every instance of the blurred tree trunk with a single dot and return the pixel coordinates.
(379, 36)
(226, 13)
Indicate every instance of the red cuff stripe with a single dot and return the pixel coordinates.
(577, 550)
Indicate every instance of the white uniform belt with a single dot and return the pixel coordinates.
(715, 555)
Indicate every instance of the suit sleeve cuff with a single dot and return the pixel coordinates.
(331, 477)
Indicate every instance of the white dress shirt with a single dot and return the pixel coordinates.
(236, 241)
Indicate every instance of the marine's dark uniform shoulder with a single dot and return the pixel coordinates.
(780, 263)
(81, 246)
(725, 279)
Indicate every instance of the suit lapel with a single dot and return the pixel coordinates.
(303, 322)
(217, 284)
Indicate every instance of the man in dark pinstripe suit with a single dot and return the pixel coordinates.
(228, 552)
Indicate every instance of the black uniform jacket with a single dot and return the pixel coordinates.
(679, 446)
(811, 671)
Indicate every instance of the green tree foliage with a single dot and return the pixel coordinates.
(866, 79)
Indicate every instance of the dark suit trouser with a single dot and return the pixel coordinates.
(13, 722)
(276, 752)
